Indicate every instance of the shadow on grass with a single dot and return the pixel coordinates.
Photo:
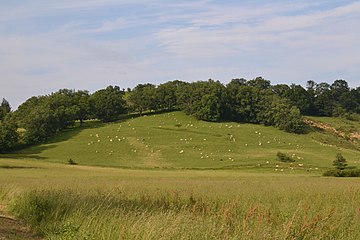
(33, 152)
(15, 167)
(189, 131)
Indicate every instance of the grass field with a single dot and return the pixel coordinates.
(175, 140)
(169, 176)
(76, 202)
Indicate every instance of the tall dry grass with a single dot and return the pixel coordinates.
(297, 210)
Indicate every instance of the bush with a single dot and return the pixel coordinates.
(72, 162)
(284, 158)
(342, 173)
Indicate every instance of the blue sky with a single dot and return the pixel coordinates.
(90, 44)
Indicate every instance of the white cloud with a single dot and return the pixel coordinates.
(86, 46)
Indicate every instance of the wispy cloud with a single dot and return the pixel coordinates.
(88, 44)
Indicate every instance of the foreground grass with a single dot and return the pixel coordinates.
(74, 202)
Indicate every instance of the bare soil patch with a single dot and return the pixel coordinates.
(14, 229)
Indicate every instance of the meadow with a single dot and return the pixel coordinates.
(175, 140)
(77, 202)
(169, 176)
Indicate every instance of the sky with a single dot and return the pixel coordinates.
(90, 44)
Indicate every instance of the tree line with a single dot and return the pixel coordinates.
(241, 100)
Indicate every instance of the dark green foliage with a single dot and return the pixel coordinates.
(259, 83)
(208, 108)
(300, 98)
(40, 124)
(247, 103)
(4, 109)
(342, 173)
(72, 162)
(9, 136)
(284, 158)
(166, 94)
(144, 97)
(107, 104)
(340, 162)
(43, 116)
(203, 99)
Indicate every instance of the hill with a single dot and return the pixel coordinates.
(175, 140)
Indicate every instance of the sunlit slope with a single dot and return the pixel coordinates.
(175, 140)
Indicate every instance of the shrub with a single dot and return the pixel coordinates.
(340, 162)
(284, 158)
(72, 162)
(342, 173)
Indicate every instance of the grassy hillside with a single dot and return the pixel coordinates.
(336, 131)
(175, 140)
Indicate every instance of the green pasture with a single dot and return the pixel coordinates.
(84, 202)
(175, 140)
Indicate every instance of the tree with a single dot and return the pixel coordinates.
(300, 98)
(4, 109)
(259, 82)
(203, 99)
(9, 136)
(281, 90)
(208, 108)
(166, 94)
(144, 97)
(82, 102)
(279, 113)
(339, 162)
(107, 104)
(40, 124)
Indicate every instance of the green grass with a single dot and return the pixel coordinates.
(173, 177)
(77, 202)
(175, 140)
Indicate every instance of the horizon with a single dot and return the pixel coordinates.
(88, 45)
